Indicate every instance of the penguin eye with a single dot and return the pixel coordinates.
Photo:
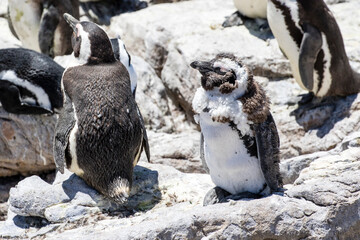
(220, 71)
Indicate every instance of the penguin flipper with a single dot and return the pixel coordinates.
(10, 99)
(310, 46)
(267, 141)
(145, 138)
(202, 154)
(49, 21)
(64, 125)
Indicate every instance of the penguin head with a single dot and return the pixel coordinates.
(224, 74)
(90, 43)
(120, 51)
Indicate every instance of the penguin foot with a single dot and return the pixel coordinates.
(314, 113)
(242, 195)
(263, 25)
(235, 19)
(215, 195)
(219, 195)
(306, 98)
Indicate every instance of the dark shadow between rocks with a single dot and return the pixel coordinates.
(323, 115)
(102, 11)
(29, 222)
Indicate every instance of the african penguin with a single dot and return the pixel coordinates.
(100, 133)
(29, 82)
(124, 57)
(239, 139)
(40, 26)
(254, 9)
(310, 38)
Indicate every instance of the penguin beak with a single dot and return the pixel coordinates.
(202, 67)
(71, 21)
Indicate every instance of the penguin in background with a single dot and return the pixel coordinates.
(122, 55)
(99, 134)
(29, 82)
(239, 140)
(39, 24)
(309, 36)
(101, 11)
(248, 9)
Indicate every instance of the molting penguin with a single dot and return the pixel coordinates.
(309, 36)
(124, 57)
(99, 134)
(239, 139)
(246, 8)
(40, 26)
(29, 82)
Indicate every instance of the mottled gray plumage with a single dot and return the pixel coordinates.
(224, 76)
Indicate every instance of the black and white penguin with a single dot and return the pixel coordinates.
(99, 134)
(122, 55)
(255, 9)
(40, 26)
(310, 38)
(29, 82)
(239, 139)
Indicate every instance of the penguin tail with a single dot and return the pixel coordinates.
(119, 190)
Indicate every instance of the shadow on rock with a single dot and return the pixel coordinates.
(144, 195)
(323, 115)
(29, 222)
(258, 27)
(102, 11)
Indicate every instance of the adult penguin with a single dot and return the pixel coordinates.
(29, 82)
(309, 36)
(100, 133)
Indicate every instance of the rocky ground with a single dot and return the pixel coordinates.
(319, 149)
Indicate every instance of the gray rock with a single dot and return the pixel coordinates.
(291, 168)
(319, 129)
(349, 26)
(7, 39)
(322, 203)
(69, 199)
(25, 144)
(180, 150)
(151, 97)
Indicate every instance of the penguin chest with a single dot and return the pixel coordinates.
(252, 8)
(283, 22)
(230, 164)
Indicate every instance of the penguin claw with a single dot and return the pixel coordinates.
(234, 19)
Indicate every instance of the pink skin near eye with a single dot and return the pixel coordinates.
(77, 32)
